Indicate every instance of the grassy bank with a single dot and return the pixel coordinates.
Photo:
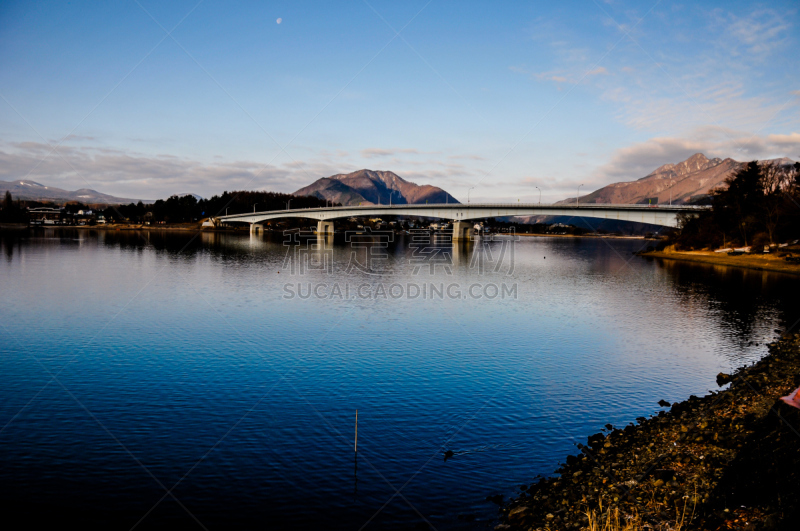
(768, 262)
(728, 460)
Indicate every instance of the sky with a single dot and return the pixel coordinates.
(498, 101)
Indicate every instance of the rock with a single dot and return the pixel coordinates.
(665, 474)
(596, 438)
(664, 403)
(497, 498)
(723, 379)
(550, 516)
(517, 512)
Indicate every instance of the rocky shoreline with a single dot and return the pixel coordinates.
(728, 460)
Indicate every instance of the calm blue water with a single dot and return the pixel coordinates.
(155, 380)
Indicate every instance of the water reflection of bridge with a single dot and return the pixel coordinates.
(460, 214)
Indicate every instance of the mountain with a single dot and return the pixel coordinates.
(679, 183)
(374, 187)
(33, 191)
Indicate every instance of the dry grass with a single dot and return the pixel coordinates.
(613, 520)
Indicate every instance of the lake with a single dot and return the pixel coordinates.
(165, 379)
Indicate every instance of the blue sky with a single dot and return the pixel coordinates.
(146, 99)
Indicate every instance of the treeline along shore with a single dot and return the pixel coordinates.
(758, 207)
(727, 460)
(173, 210)
(754, 222)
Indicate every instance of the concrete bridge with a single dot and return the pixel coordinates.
(460, 214)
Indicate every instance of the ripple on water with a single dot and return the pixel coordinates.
(191, 363)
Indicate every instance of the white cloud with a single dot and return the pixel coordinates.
(790, 142)
(137, 175)
(371, 153)
(572, 77)
(466, 157)
(689, 103)
(600, 70)
(711, 68)
(758, 33)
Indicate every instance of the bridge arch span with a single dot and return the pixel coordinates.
(664, 215)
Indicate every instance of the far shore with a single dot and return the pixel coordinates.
(590, 235)
(179, 227)
(186, 227)
(766, 262)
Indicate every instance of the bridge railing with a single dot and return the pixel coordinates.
(547, 206)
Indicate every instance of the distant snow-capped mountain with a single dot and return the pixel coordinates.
(33, 191)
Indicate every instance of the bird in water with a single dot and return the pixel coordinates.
(448, 454)
(793, 399)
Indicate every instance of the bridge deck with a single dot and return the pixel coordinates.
(665, 215)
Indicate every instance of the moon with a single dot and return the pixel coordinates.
(279, 20)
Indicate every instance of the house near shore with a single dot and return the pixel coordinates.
(45, 215)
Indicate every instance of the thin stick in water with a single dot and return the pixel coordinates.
(355, 446)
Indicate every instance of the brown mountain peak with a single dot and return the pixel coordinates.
(696, 162)
(671, 183)
(374, 186)
(698, 158)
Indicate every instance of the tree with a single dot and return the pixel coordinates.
(11, 210)
(737, 205)
(775, 180)
(796, 175)
(761, 203)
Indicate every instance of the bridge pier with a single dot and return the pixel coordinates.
(324, 228)
(255, 228)
(462, 230)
